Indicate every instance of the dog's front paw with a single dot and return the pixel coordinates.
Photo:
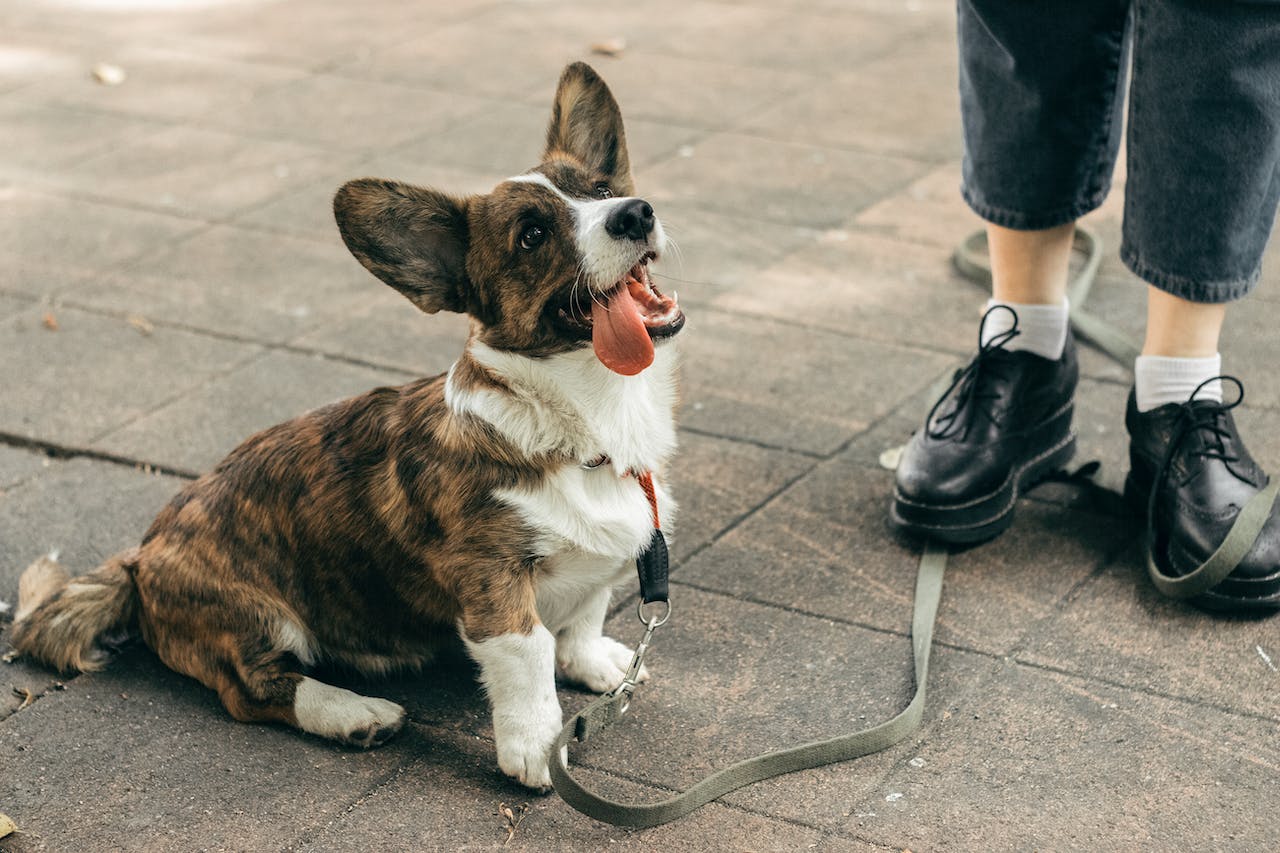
(526, 762)
(523, 747)
(599, 664)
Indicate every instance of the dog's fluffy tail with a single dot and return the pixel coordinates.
(63, 622)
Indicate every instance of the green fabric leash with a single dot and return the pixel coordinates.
(607, 709)
(1222, 562)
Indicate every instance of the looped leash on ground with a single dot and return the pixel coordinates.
(606, 710)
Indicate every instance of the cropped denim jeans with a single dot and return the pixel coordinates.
(1042, 92)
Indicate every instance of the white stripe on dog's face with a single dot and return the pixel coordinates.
(605, 259)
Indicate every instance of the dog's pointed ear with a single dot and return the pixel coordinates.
(413, 238)
(587, 124)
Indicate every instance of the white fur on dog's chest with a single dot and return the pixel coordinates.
(591, 525)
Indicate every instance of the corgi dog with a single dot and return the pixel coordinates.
(502, 501)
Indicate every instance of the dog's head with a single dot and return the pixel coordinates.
(551, 260)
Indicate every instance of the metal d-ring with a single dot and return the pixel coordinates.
(652, 621)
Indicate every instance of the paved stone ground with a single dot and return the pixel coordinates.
(175, 228)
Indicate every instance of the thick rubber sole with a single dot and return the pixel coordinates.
(940, 525)
(1214, 600)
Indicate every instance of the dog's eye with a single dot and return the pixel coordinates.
(603, 191)
(532, 237)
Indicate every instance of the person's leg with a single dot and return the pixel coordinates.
(1204, 183)
(1030, 267)
(1041, 94)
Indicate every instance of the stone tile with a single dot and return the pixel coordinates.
(308, 211)
(878, 106)
(96, 373)
(821, 42)
(328, 111)
(112, 758)
(1133, 770)
(781, 182)
(13, 304)
(164, 83)
(18, 464)
(1166, 647)
(787, 385)
(716, 482)
(868, 287)
(239, 282)
(387, 329)
(60, 233)
(84, 509)
(732, 680)
(449, 801)
(824, 546)
(510, 139)
(312, 34)
(1248, 345)
(195, 431)
(930, 210)
(198, 172)
(712, 253)
(27, 58)
(469, 58)
(41, 138)
(692, 91)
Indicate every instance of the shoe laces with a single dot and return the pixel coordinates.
(1208, 419)
(967, 388)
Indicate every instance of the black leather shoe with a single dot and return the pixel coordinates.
(1191, 456)
(1002, 426)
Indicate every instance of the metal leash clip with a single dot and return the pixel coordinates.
(630, 680)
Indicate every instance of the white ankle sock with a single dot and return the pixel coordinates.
(1159, 379)
(1042, 328)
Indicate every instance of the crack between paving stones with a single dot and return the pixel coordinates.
(1021, 644)
(266, 345)
(74, 194)
(317, 832)
(179, 395)
(763, 445)
(59, 451)
(1147, 691)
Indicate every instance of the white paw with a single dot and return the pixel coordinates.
(333, 712)
(599, 664)
(380, 721)
(524, 745)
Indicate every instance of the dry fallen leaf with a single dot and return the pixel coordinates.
(511, 819)
(50, 321)
(142, 324)
(108, 74)
(610, 47)
(7, 826)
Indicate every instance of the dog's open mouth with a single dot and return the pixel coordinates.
(625, 321)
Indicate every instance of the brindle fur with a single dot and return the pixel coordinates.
(370, 521)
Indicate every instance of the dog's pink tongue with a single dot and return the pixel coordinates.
(618, 334)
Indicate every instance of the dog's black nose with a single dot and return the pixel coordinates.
(632, 219)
